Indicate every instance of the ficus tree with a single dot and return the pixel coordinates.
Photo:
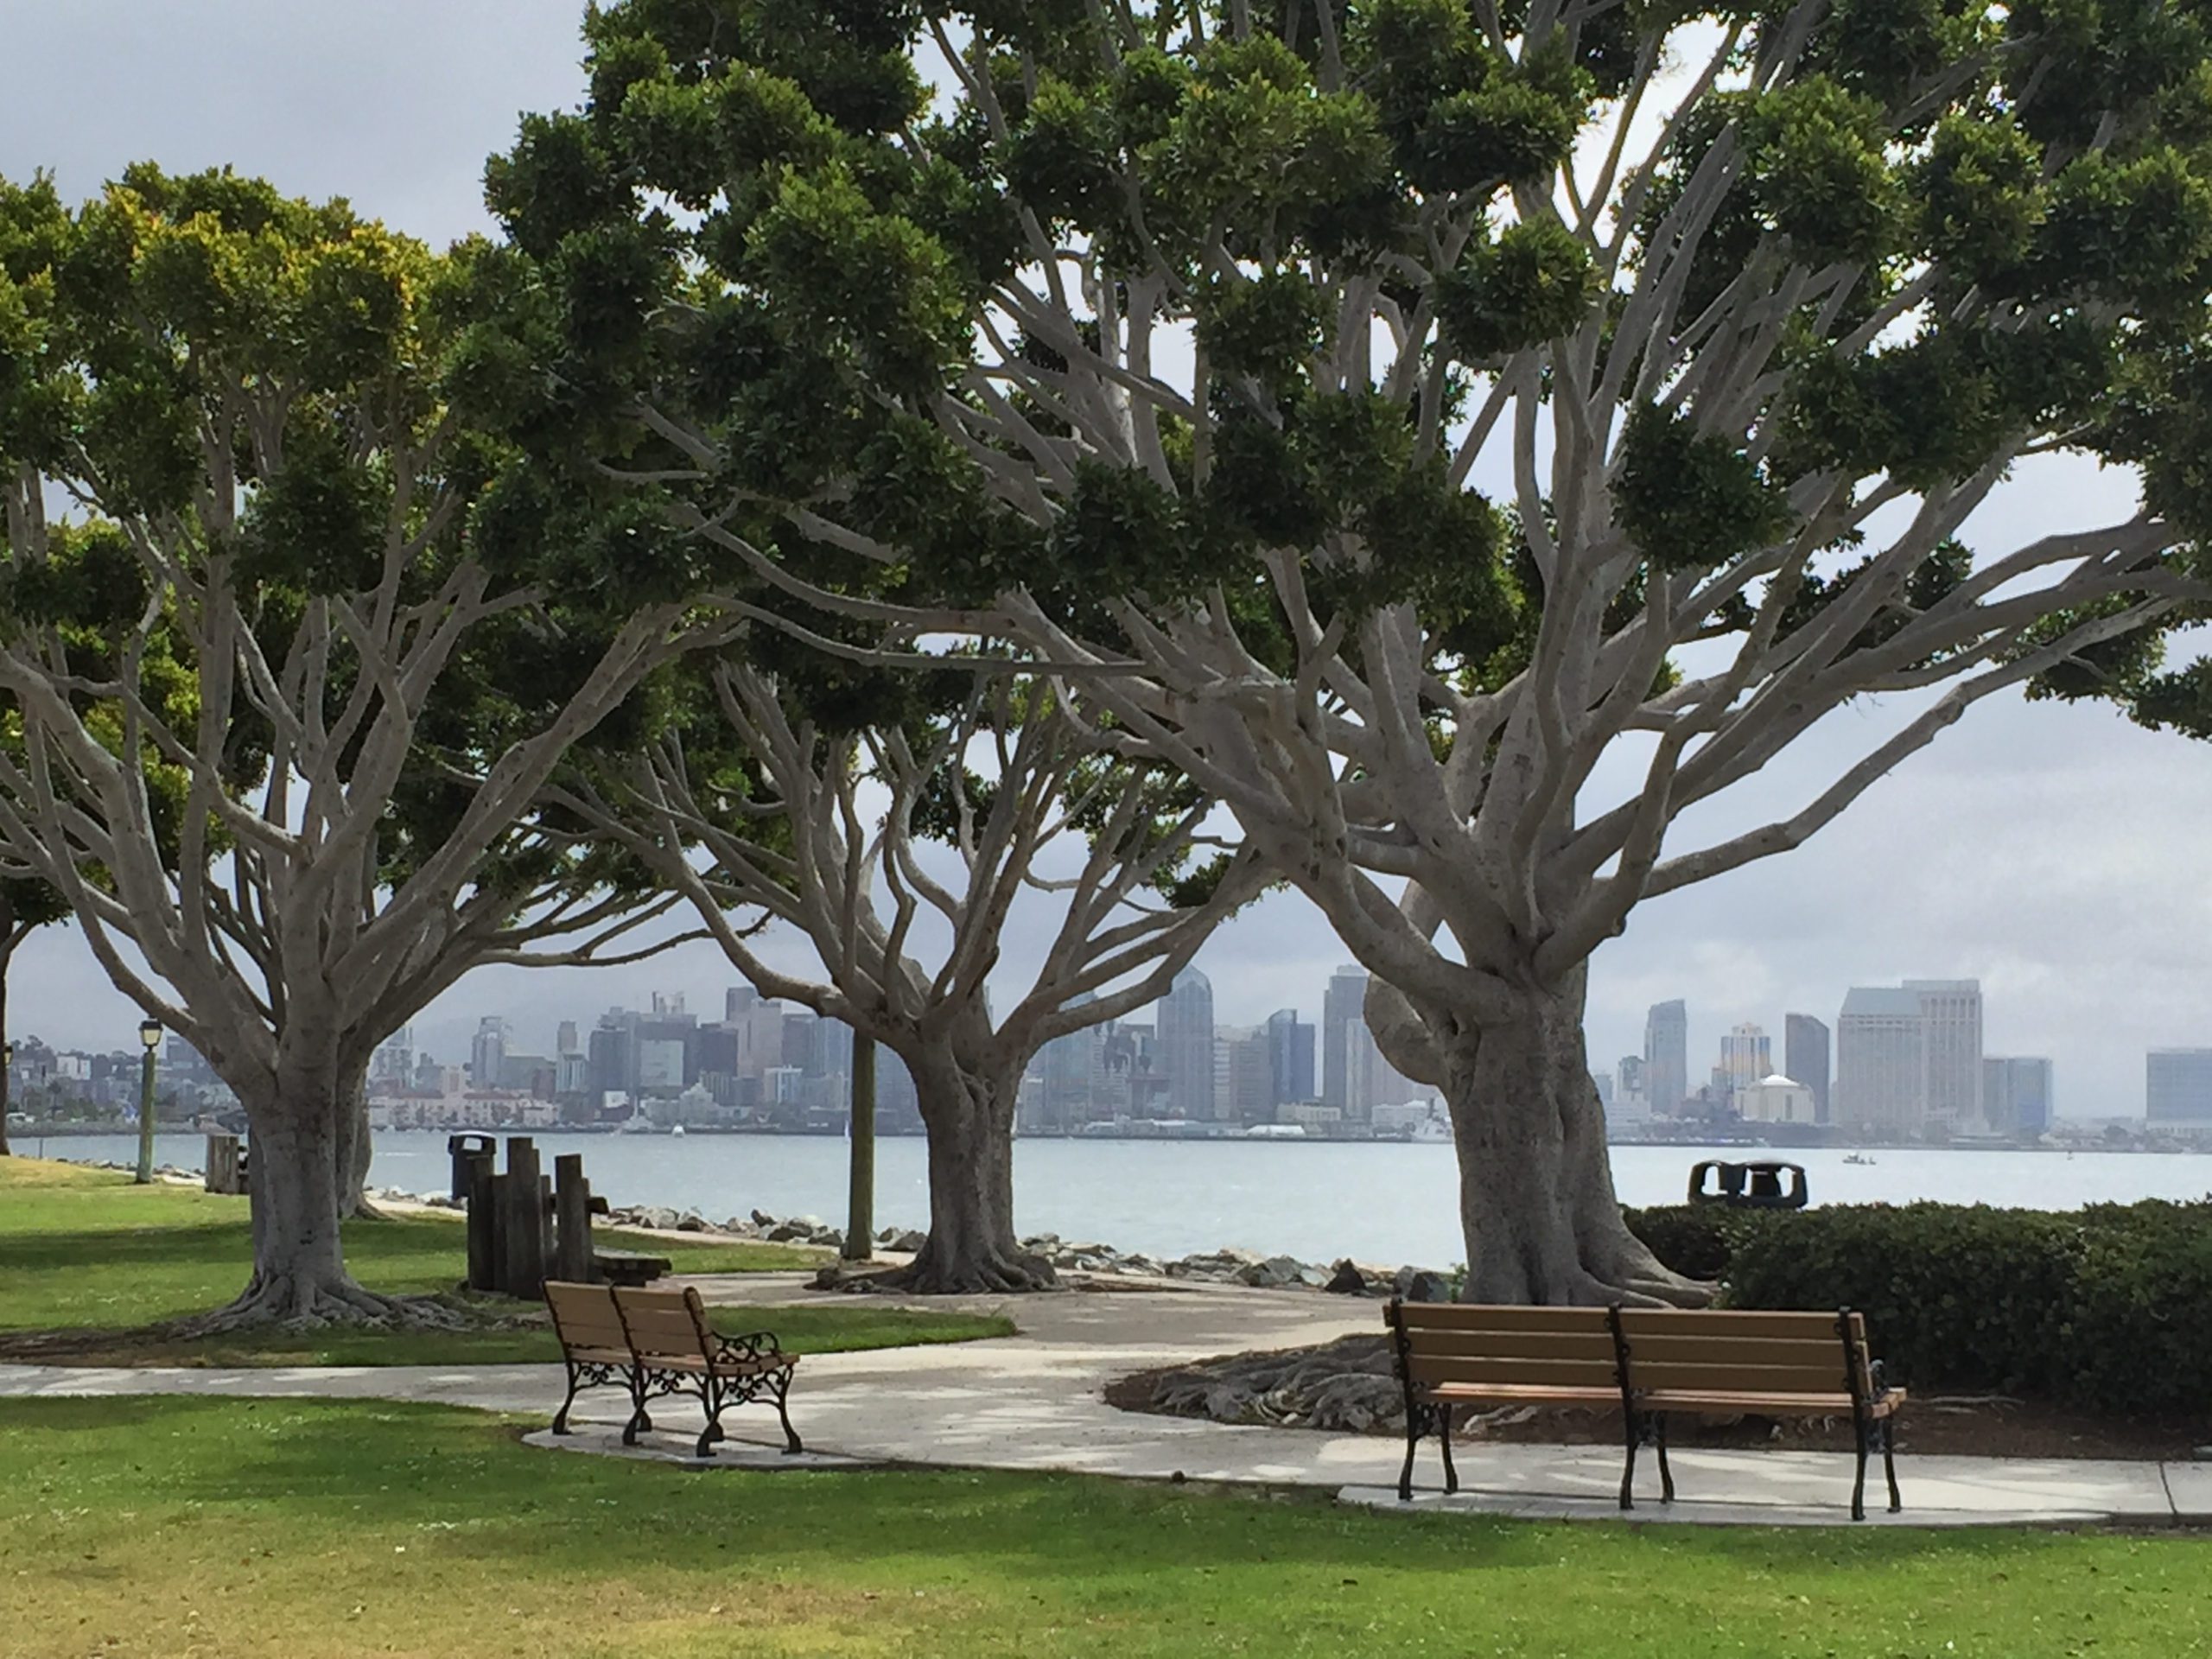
(906, 819)
(291, 648)
(1386, 411)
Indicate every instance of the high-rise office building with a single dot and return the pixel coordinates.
(487, 1053)
(1343, 1007)
(1746, 1057)
(1909, 1060)
(2016, 1094)
(1290, 1058)
(392, 1062)
(1244, 1075)
(1880, 1062)
(1187, 1046)
(1805, 1058)
(1666, 1057)
(1950, 1013)
(2177, 1089)
(565, 1040)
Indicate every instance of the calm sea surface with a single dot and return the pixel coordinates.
(1378, 1202)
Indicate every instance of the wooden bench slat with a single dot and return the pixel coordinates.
(1429, 1368)
(1479, 1316)
(1735, 1377)
(1731, 1322)
(1527, 1394)
(1516, 1344)
(1714, 1399)
(1750, 1351)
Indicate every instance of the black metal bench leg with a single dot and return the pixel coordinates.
(1443, 1431)
(1859, 1480)
(1406, 1474)
(638, 1422)
(1666, 1475)
(561, 1417)
(1633, 1433)
(792, 1445)
(1889, 1461)
(710, 1401)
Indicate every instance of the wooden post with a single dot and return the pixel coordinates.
(522, 1222)
(571, 1220)
(223, 1164)
(484, 1250)
(860, 1197)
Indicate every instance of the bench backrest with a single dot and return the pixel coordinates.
(1469, 1342)
(1720, 1350)
(584, 1317)
(664, 1324)
(1691, 1350)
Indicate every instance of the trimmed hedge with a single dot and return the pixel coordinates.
(2108, 1307)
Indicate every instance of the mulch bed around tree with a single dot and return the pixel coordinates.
(1347, 1385)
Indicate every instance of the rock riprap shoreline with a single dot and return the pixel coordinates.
(1227, 1265)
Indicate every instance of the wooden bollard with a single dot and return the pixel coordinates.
(522, 1221)
(484, 1251)
(223, 1164)
(571, 1220)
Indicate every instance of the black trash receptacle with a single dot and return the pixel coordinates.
(467, 1149)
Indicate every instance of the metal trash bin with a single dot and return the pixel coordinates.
(468, 1151)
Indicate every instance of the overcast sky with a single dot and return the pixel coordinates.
(2055, 853)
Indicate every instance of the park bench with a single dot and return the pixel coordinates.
(656, 1343)
(1649, 1363)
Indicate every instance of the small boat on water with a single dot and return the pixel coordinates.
(1857, 1158)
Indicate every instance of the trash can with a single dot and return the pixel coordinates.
(468, 1151)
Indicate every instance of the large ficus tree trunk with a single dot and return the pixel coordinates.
(968, 1112)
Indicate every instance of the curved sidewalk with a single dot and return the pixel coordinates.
(1035, 1402)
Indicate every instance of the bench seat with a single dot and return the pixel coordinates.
(1647, 1363)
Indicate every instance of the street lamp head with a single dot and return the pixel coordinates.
(149, 1032)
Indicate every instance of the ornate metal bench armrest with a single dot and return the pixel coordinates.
(751, 1345)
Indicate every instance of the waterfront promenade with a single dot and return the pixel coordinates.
(1035, 1401)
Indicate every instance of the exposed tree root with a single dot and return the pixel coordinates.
(297, 1303)
(933, 1273)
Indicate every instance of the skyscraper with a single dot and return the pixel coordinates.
(2016, 1094)
(1805, 1058)
(1950, 1013)
(2177, 1089)
(1187, 1046)
(1880, 1062)
(1909, 1060)
(1290, 1058)
(1343, 1009)
(565, 1041)
(1666, 1057)
(487, 1053)
(1746, 1058)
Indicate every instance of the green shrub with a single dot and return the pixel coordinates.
(2108, 1307)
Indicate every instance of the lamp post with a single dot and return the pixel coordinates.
(7, 1090)
(149, 1034)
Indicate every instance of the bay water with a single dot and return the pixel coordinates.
(1376, 1201)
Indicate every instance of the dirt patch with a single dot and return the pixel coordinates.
(1351, 1386)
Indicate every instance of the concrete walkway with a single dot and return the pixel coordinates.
(1035, 1402)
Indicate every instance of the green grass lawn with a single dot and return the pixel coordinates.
(85, 1250)
(144, 1527)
